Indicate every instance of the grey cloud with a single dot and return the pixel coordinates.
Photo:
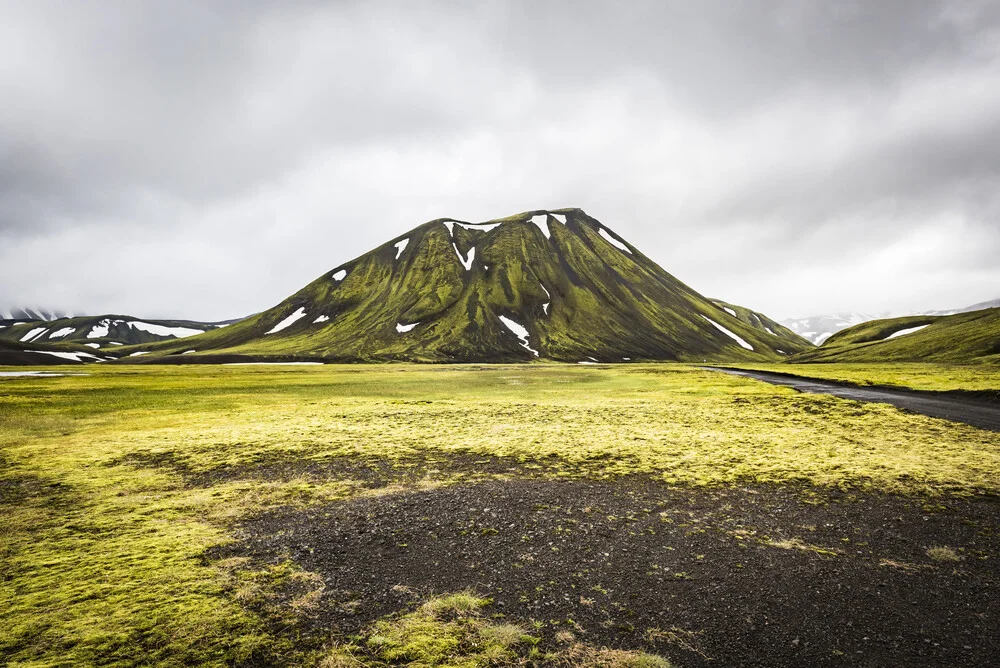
(207, 140)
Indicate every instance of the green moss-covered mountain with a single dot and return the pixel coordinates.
(961, 338)
(539, 285)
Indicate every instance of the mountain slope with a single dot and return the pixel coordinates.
(960, 338)
(790, 341)
(556, 285)
(101, 331)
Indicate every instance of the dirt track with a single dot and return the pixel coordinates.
(945, 405)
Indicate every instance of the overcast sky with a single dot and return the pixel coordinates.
(204, 159)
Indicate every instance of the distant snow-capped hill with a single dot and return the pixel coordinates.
(995, 303)
(818, 328)
(102, 330)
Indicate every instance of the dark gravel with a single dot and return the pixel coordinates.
(690, 574)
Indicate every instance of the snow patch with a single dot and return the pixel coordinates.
(768, 329)
(188, 352)
(160, 330)
(287, 322)
(339, 275)
(59, 333)
(481, 227)
(401, 328)
(725, 331)
(822, 337)
(33, 334)
(781, 351)
(545, 306)
(66, 356)
(729, 311)
(614, 242)
(560, 217)
(904, 332)
(467, 262)
(100, 329)
(401, 246)
(116, 343)
(519, 331)
(38, 374)
(93, 345)
(542, 221)
(322, 318)
(586, 362)
(141, 352)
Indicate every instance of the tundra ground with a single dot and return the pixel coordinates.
(486, 515)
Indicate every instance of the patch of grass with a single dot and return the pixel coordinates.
(943, 553)
(447, 631)
(798, 544)
(452, 631)
(584, 655)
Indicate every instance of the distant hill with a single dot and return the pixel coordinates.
(962, 338)
(818, 328)
(101, 331)
(556, 285)
(994, 303)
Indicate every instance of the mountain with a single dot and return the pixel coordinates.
(995, 303)
(555, 285)
(793, 342)
(101, 331)
(818, 328)
(961, 338)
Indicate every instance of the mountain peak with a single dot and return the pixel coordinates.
(541, 284)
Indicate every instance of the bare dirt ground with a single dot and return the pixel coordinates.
(748, 576)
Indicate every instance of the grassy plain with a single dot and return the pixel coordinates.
(116, 486)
